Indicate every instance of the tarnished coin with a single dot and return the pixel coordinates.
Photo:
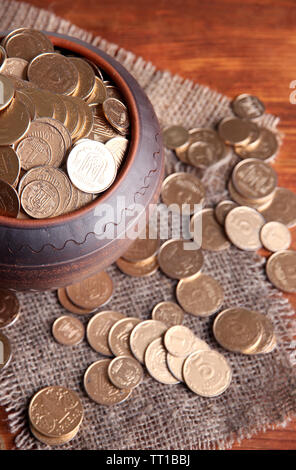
(177, 262)
(176, 364)
(6, 91)
(222, 209)
(182, 188)
(68, 330)
(33, 151)
(9, 200)
(116, 114)
(98, 329)
(143, 334)
(54, 72)
(9, 308)
(68, 305)
(5, 351)
(168, 313)
(125, 372)
(87, 119)
(55, 411)
(144, 247)
(156, 364)
(254, 179)
(247, 106)
(243, 225)
(27, 44)
(86, 81)
(98, 386)
(118, 338)
(118, 147)
(15, 66)
(91, 167)
(213, 235)
(201, 295)
(92, 292)
(98, 94)
(139, 269)
(9, 165)
(275, 236)
(113, 92)
(266, 148)
(282, 208)
(175, 136)
(40, 199)
(207, 373)
(14, 122)
(281, 270)
(179, 340)
(53, 441)
(234, 131)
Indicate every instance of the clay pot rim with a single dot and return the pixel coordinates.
(82, 48)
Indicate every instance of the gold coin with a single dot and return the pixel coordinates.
(7, 91)
(282, 208)
(267, 339)
(222, 209)
(118, 338)
(43, 101)
(176, 364)
(9, 200)
(14, 122)
(68, 331)
(9, 308)
(144, 247)
(125, 372)
(68, 305)
(27, 101)
(5, 351)
(177, 262)
(247, 106)
(15, 66)
(266, 149)
(201, 295)
(207, 373)
(86, 81)
(91, 293)
(281, 270)
(259, 205)
(143, 334)
(33, 151)
(179, 340)
(9, 165)
(72, 116)
(206, 148)
(116, 114)
(95, 68)
(53, 441)
(87, 119)
(113, 92)
(234, 131)
(139, 269)
(52, 136)
(175, 136)
(254, 179)
(118, 147)
(98, 330)
(213, 235)
(168, 313)
(156, 364)
(61, 129)
(238, 329)
(40, 199)
(243, 225)
(182, 188)
(27, 44)
(98, 386)
(55, 411)
(98, 94)
(275, 236)
(102, 130)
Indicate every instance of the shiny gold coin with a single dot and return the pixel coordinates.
(247, 106)
(143, 334)
(254, 179)
(179, 340)
(27, 44)
(116, 114)
(86, 81)
(98, 330)
(282, 208)
(68, 305)
(87, 119)
(139, 269)
(234, 131)
(52, 136)
(72, 119)
(61, 129)
(7, 91)
(176, 364)
(175, 136)
(145, 246)
(68, 331)
(9, 165)
(275, 236)
(118, 338)
(43, 101)
(93, 292)
(5, 351)
(207, 373)
(266, 148)
(55, 411)
(156, 364)
(222, 209)
(53, 441)
(238, 329)
(212, 234)
(33, 151)
(9, 308)
(201, 295)
(102, 130)
(98, 386)
(28, 102)
(168, 313)
(281, 270)
(182, 188)
(40, 199)
(15, 66)
(98, 94)
(118, 147)
(125, 372)
(14, 122)
(9, 200)
(243, 225)
(177, 262)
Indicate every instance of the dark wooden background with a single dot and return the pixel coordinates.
(232, 46)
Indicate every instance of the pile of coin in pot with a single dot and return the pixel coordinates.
(64, 134)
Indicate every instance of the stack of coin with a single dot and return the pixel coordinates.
(71, 122)
(55, 415)
(241, 330)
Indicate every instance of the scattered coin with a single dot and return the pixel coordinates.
(205, 148)
(222, 209)
(144, 247)
(125, 372)
(9, 308)
(168, 313)
(259, 205)
(118, 337)
(182, 188)
(175, 137)
(5, 351)
(98, 330)
(282, 208)
(281, 270)
(9, 200)
(68, 305)
(247, 106)
(234, 131)
(139, 269)
(212, 234)
(254, 179)
(179, 340)
(176, 364)
(156, 364)
(275, 236)
(266, 148)
(143, 334)
(243, 225)
(68, 330)
(177, 262)
(91, 293)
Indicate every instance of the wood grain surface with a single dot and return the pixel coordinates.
(232, 47)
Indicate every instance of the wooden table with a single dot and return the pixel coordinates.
(230, 46)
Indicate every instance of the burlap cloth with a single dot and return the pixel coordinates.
(263, 390)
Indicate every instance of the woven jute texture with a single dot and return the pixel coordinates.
(263, 389)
